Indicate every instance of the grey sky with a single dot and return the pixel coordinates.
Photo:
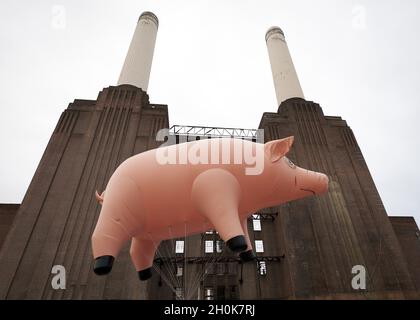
(358, 59)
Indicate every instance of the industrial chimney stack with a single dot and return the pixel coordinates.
(286, 82)
(138, 63)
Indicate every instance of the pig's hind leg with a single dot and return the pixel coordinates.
(216, 195)
(142, 253)
(247, 255)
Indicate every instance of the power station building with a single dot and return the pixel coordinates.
(306, 249)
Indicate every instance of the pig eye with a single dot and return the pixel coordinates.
(290, 163)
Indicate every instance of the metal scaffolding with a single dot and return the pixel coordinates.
(204, 259)
(214, 132)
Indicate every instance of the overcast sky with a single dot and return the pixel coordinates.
(358, 59)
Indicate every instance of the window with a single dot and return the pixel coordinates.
(179, 271)
(259, 246)
(208, 293)
(212, 232)
(209, 246)
(179, 247)
(256, 224)
(178, 293)
(219, 246)
(262, 267)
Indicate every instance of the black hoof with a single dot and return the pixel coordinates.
(237, 244)
(145, 274)
(103, 265)
(247, 256)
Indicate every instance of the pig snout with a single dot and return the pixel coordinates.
(313, 182)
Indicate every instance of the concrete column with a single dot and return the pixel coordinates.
(286, 82)
(138, 62)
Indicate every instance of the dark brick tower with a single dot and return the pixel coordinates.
(324, 237)
(307, 248)
(57, 216)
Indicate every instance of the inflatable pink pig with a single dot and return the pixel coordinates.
(163, 194)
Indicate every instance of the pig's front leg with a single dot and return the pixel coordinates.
(247, 255)
(142, 253)
(216, 195)
(116, 224)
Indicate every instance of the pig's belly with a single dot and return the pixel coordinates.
(172, 217)
(179, 230)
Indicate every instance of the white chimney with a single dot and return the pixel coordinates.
(286, 82)
(138, 62)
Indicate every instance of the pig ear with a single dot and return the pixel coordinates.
(277, 149)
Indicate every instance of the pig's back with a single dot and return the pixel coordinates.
(166, 188)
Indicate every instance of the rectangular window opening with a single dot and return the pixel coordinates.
(209, 247)
(256, 223)
(259, 246)
(179, 246)
(208, 293)
(219, 246)
(179, 271)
